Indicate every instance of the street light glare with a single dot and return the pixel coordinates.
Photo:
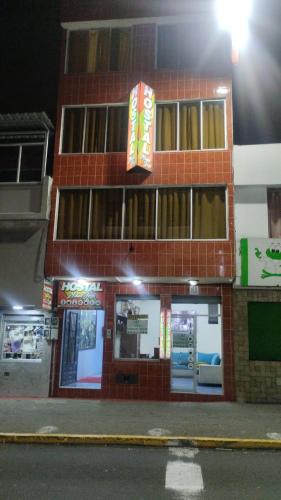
(233, 16)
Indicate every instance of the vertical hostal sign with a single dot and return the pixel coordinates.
(141, 127)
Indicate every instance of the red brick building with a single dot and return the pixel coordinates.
(163, 339)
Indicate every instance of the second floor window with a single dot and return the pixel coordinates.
(99, 50)
(95, 130)
(171, 213)
(21, 162)
(190, 125)
(274, 212)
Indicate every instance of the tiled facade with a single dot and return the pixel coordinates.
(157, 259)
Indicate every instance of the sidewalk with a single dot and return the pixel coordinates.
(134, 422)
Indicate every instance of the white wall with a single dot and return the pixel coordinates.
(258, 163)
(90, 360)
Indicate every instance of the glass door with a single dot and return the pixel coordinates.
(183, 351)
(82, 349)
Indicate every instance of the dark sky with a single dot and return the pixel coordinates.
(30, 47)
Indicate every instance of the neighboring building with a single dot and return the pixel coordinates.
(25, 300)
(164, 217)
(257, 288)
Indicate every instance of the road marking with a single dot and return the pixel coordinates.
(47, 429)
(273, 435)
(184, 478)
(159, 432)
(183, 452)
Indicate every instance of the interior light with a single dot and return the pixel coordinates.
(193, 282)
(137, 282)
(222, 90)
(17, 308)
(82, 282)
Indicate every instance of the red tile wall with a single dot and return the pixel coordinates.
(153, 376)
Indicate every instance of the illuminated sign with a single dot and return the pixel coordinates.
(81, 295)
(47, 295)
(168, 335)
(141, 127)
(162, 333)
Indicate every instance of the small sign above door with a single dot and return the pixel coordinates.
(74, 294)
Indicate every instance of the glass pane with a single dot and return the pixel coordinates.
(140, 214)
(120, 49)
(209, 213)
(167, 47)
(106, 217)
(137, 328)
(95, 130)
(31, 163)
(9, 164)
(23, 338)
(73, 130)
(173, 213)
(117, 129)
(213, 125)
(73, 214)
(189, 126)
(274, 212)
(166, 127)
(77, 51)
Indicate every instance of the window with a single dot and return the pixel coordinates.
(137, 327)
(95, 129)
(142, 214)
(190, 125)
(23, 338)
(21, 162)
(274, 212)
(198, 47)
(99, 50)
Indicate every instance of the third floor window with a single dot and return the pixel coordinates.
(91, 51)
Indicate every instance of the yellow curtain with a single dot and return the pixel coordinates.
(213, 125)
(117, 129)
(95, 130)
(274, 212)
(189, 126)
(140, 214)
(92, 51)
(77, 51)
(166, 127)
(209, 218)
(73, 214)
(123, 56)
(106, 214)
(173, 213)
(73, 130)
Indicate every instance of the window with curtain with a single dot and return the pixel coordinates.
(95, 130)
(117, 129)
(106, 214)
(213, 125)
(209, 214)
(274, 212)
(73, 214)
(173, 213)
(97, 50)
(166, 127)
(190, 125)
(120, 50)
(73, 130)
(140, 214)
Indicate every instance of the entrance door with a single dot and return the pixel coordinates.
(183, 352)
(82, 349)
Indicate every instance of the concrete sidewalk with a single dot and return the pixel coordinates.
(134, 422)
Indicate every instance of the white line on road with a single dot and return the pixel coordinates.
(184, 478)
(273, 435)
(183, 452)
(47, 429)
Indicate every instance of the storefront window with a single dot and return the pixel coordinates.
(137, 327)
(23, 338)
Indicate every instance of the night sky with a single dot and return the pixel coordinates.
(30, 47)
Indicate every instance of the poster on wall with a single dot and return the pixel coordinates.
(137, 324)
(141, 127)
(47, 295)
(260, 261)
(81, 295)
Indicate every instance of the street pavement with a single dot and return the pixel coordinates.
(130, 418)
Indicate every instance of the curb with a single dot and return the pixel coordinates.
(140, 440)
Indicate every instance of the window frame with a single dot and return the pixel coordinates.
(156, 188)
(201, 102)
(108, 69)
(85, 108)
